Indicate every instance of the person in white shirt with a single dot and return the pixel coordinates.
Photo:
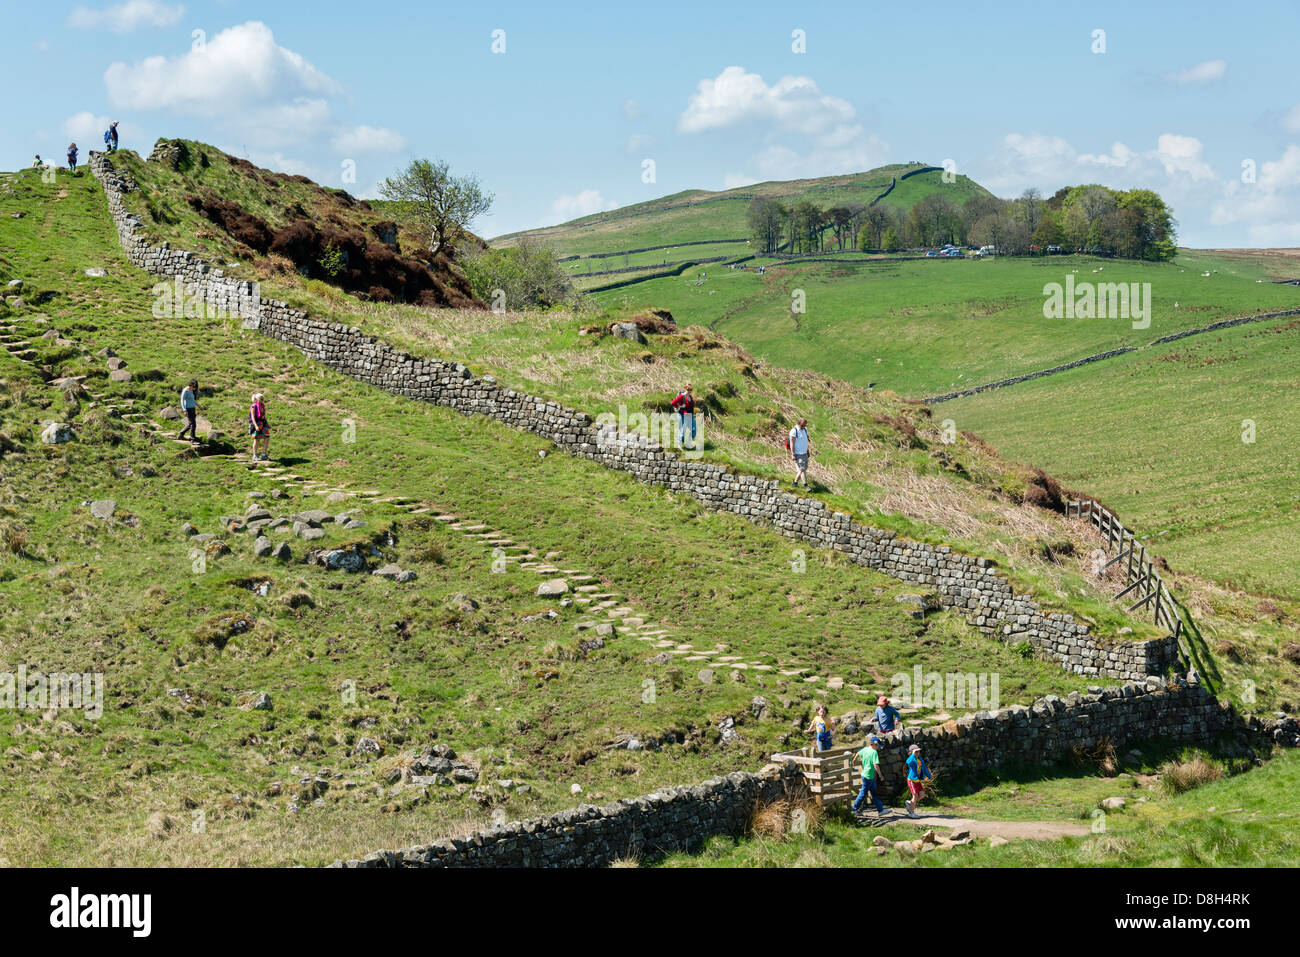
(798, 444)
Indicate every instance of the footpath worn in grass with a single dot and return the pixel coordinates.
(1248, 819)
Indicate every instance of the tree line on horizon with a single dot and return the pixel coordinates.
(1131, 224)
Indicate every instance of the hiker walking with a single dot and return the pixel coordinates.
(869, 758)
(887, 717)
(190, 406)
(917, 774)
(822, 726)
(684, 406)
(797, 443)
(110, 137)
(258, 427)
(72, 157)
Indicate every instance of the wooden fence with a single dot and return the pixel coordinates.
(827, 773)
(1141, 578)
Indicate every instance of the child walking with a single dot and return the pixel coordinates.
(822, 726)
(917, 775)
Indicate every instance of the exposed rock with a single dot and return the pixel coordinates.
(261, 701)
(549, 589)
(263, 547)
(1113, 804)
(627, 330)
(104, 509)
(56, 433)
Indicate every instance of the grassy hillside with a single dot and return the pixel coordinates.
(704, 215)
(185, 648)
(466, 655)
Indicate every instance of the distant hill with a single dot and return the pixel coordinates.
(700, 216)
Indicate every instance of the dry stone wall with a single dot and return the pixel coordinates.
(968, 584)
(681, 818)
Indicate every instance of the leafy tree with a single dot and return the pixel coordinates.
(875, 220)
(767, 220)
(891, 242)
(525, 276)
(435, 202)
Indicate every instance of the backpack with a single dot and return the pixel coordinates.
(787, 441)
(108, 136)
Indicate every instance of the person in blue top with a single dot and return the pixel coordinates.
(917, 774)
(110, 137)
(887, 716)
(190, 406)
(797, 443)
(72, 157)
(822, 726)
(869, 758)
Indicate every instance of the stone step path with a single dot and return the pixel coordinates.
(602, 606)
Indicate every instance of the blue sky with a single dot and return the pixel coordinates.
(561, 123)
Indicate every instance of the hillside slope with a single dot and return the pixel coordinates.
(365, 675)
(702, 215)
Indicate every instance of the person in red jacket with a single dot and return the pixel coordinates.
(684, 406)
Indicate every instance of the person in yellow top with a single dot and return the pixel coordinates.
(822, 726)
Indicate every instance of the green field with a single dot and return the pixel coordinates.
(1161, 436)
(923, 328)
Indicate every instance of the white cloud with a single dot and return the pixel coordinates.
(1212, 210)
(240, 67)
(368, 139)
(125, 17)
(737, 180)
(793, 103)
(567, 207)
(638, 143)
(1291, 122)
(248, 90)
(801, 131)
(1208, 71)
(1035, 159)
(86, 129)
(632, 109)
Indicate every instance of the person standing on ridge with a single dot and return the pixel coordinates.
(684, 406)
(111, 137)
(797, 443)
(72, 158)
